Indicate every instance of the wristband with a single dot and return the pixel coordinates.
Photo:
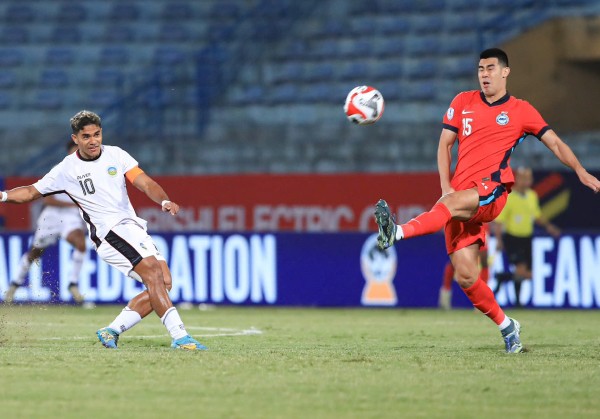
(4, 197)
(165, 202)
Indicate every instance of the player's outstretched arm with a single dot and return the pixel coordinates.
(155, 192)
(568, 158)
(20, 195)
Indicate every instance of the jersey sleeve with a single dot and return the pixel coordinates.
(52, 182)
(127, 162)
(533, 123)
(451, 120)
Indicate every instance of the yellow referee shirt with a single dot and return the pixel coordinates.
(520, 213)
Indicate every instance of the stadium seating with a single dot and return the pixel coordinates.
(185, 61)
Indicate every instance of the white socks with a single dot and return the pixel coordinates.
(173, 323)
(505, 323)
(125, 320)
(24, 266)
(399, 233)
(77, 259)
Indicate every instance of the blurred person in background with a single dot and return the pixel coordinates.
(514, 229)
(59, 219)
(94, 177)
(488, 125)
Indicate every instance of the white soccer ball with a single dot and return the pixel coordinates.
(364, 105)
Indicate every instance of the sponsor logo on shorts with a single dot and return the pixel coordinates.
(112, 170)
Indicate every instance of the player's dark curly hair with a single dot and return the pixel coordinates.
(495, 53)
(83, 118)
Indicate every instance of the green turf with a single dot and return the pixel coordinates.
(306, 363)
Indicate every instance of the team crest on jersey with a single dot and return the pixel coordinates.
(112, 170)
(502, 119)
(450, 114)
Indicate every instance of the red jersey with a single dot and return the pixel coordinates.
(488, 134)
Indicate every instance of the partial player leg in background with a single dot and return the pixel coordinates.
(445, 297)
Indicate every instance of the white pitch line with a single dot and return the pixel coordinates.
(225, 332)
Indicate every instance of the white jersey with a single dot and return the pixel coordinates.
(97, 187)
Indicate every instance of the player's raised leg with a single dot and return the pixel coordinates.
(460, 205)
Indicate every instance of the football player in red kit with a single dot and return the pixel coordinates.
(488, 124)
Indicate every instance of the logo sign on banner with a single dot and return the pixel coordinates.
(325, 269)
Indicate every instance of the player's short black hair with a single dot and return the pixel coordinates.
(70, 144)
(495, 53)
(83, 118)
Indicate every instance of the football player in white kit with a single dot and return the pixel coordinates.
(59, 219)
(94, 178)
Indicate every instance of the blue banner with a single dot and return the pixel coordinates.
(321, 269)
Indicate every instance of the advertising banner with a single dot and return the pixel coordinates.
(313, 202)
(309, 269)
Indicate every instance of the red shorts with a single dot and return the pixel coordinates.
(459, 234)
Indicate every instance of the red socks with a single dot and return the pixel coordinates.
(448, 276)
(483, 299)
(428, 222)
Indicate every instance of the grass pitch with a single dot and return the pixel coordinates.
(299, 363)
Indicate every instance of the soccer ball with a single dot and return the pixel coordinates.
(364, 105)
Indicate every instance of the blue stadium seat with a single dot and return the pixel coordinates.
(71, 12)
(124, 12)
(169, 56)
(153, 98)
(461, 66)
(427, 24)
(69, 34)
(53, 78)
(393, 26)
(355, 70)
(388, 69)
(457, 23)
(224, 11)
(8, 79)
(48, 99)
(60, 56)
(249, 95)
(19, 13)
(118, 34)
(390, 90)
(11, 35)
(324, 49)
(429, 6)
(289, 72)
(420, 91)
(6, 100)
(284, 93)
(103, 98)
(109, 77)
(319, 72)
(177, 12)
(11, 57)
(114, 55)
(389, 47)
(421, 69)
(174, 32)
(423, 46)
(331, 29)
(459, 44)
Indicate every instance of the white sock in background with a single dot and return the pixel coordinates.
(77, 259)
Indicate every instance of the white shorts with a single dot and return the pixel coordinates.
(55, 223)
(125, 246)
